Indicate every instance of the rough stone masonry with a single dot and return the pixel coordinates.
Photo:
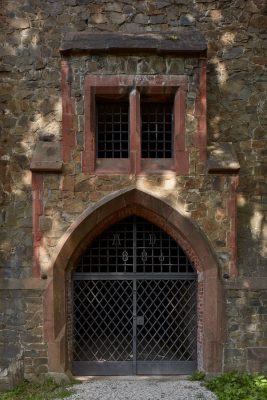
(37, 208)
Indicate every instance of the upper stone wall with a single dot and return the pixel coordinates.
(31, 31)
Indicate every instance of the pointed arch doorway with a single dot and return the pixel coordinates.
(134, 304)
(88, 227)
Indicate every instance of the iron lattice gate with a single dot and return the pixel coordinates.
(134, 304)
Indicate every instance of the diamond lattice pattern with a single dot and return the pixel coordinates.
(103, 323)
(169, 329)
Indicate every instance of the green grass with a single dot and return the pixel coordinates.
(197, 376)
(238, 386)
(43, 390)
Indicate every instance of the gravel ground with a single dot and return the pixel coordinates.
(140, 388)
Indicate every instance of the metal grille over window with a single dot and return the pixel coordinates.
(134, 239)
(156, 130)
(112, 129)
(111, 252)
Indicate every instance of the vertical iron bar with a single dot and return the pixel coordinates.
(170, 259)
(90, 267)
(160, 250)
(178, 258)
(134, 300)
(109, 253)
(97, 131)
(134, 245)
(112, 131)
(128, 118)
(156, 129)
(116, 257)
(149, 133)
(152, 242)
(99, 263)
(120, 123)
(164, 130)
(134, 328)
(124, 246)
(105, 130)
(145, 268)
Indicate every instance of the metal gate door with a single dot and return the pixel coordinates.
(134, 304)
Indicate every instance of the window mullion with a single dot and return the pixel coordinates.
(135, 140)
(179, 144)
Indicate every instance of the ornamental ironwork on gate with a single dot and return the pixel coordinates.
(134, 304)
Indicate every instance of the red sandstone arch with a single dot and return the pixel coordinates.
(96, 219)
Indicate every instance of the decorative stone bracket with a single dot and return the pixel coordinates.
(47, 157)
(222, 159)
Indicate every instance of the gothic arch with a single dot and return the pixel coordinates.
(96, 219)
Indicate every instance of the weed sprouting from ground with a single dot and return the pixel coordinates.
(43, 390)
(239, 386)
(197, 376)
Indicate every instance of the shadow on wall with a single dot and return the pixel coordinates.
(30, 107)
(236, 85)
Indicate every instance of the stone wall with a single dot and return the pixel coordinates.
(30, 106)
(246, 311)
(23, 351)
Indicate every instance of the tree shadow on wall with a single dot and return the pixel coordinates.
(236, 112)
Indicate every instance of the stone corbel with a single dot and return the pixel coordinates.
(47, 158)
(222, 159)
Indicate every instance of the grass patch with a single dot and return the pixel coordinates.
(234, 385)
(197, 376)
(239, 386)
(43, 390)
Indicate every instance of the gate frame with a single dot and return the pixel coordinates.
(90, 224)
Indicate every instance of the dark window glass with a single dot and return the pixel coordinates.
(112, 130)
(156, 130)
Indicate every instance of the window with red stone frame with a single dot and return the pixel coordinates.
(151, 101)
